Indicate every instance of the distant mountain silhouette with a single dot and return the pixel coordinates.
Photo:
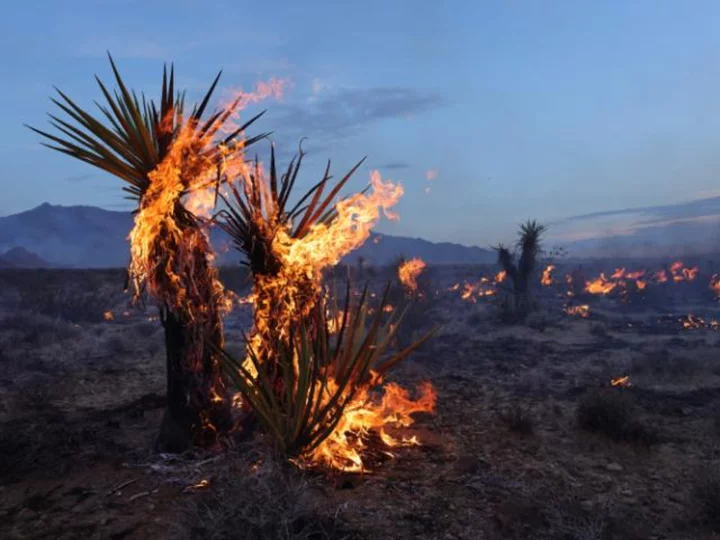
(91, 237)
(20, 257)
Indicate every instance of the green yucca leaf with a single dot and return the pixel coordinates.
(306, 410)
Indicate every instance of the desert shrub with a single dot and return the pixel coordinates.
(518, 419)
(706, 496)
(612, 412)
(269, 501)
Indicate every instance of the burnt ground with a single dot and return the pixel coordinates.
(529, 440)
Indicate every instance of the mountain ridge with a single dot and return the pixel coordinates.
(90, 237)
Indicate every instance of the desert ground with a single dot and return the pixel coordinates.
(530, 438)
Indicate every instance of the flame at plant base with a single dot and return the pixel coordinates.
(409, 271)
(343, 449)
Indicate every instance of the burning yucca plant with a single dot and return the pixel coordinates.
(166, 155)
(287, 248)
(288, 245)
(324, 408)
(520, 266)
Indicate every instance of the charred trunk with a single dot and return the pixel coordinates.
(195, 412)
(198, 410)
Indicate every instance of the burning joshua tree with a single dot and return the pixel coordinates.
(520, 267)
(165, 155)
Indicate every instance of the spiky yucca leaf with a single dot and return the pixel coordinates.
(133, 135)
(529, 246)
(261, 207)
(321, 371)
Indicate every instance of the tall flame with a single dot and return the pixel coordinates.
(409, 271)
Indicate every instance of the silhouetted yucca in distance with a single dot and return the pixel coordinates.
(520, 266)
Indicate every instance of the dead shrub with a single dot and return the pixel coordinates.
(612, 412)
(267, 501)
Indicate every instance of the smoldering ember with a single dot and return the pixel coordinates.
(254, 346)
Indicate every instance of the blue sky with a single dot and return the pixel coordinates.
(525, 109)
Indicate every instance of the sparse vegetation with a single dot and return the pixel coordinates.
(266, 500)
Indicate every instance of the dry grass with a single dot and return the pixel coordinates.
(612, 412)
(258, 499)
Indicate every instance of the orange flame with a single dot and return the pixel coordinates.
(409, 271)
(547, 279)
(344, 449)
(582, 310)
(715, 284)
(621, 381)
(600, 285)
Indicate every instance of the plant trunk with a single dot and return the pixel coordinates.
(195, 412)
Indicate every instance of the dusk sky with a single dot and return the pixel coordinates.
(521, 109)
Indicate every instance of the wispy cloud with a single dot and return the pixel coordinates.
(342, 113)
(80, 177)
(391, 166)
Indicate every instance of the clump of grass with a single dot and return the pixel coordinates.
(611, 412)
(257, 502)
(518, 419)
(706, 496)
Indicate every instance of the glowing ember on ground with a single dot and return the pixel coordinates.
(409, 271)
(693, 322)
(578, 311)
(600, 285)
(681, 273)
(621, 381)
(109, 315)
(546, 280)
(715, 284)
